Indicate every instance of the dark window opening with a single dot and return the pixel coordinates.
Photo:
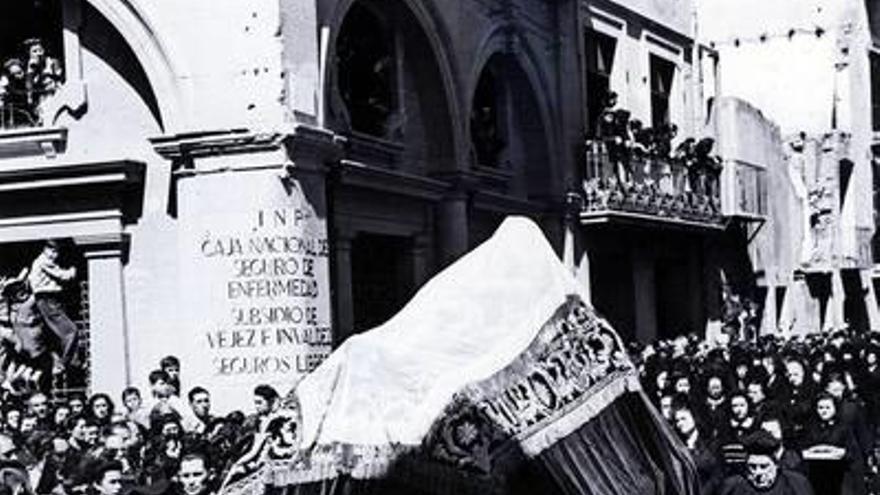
(672, 310)
(613, 292)
(382, 278)
(780, 301)
(855, 311)
(366, 61)
(875, 91)
(662, 73)
(32, 54)
(486, 129)
(599, 62)
(819, 286)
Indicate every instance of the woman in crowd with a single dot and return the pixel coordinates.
(101, 409)
(832, 452)
(701, 449)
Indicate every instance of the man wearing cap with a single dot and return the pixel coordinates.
(47, 281)
(764, 475)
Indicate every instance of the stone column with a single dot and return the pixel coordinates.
(575, 255)
(582, 273)
(108, 342)
(452, 227)
(421, 244)
(342, 286)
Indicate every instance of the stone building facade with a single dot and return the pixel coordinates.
(811, 67)
(247, 184)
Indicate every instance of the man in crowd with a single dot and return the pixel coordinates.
(131, 399)
(193, 476)
(38, 406)
(106, 478)
(763, 474)
(171, 366)
(200, 405)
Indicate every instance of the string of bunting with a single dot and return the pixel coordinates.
(817, 31)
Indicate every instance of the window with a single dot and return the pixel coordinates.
(31, 53)
(875, 90)
(599, 61)
(366, 64)
(662, 73)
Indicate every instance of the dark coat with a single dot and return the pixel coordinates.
(797, 412)
(848, 474)
(787, 483)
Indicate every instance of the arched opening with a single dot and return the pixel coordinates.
(486, 120)
(387, 87)
(506, 128)
(101, 37)
(367, 77)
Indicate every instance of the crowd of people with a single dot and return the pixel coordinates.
(167, 441)
(772, 415)
(26, 80)
(625, 138)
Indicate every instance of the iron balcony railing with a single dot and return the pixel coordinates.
(14, 116)
(640, 183)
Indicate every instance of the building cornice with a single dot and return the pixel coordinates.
(191, 145)
(32, 141)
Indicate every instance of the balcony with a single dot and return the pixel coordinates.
(22, 132)
(643, 188)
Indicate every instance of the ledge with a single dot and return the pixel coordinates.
(614, 217)
(351, 173)
(503, 203)
(121, 171)
(371, 150)
(32, 141)
(499, 177)
(187, 146)
(73, 188)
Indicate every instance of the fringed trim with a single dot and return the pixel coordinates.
(537, 440)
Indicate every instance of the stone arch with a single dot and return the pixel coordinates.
(132, 23)
(513, 61)
(420, 23)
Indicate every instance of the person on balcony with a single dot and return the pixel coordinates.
(605, 121)
(612, 130)
(44, 73)
(684, 155)
(663, 137)
(47, 280)
(708, 166)
(14, 107)
(643, 136)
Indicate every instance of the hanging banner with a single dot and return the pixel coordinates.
(255, 282)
